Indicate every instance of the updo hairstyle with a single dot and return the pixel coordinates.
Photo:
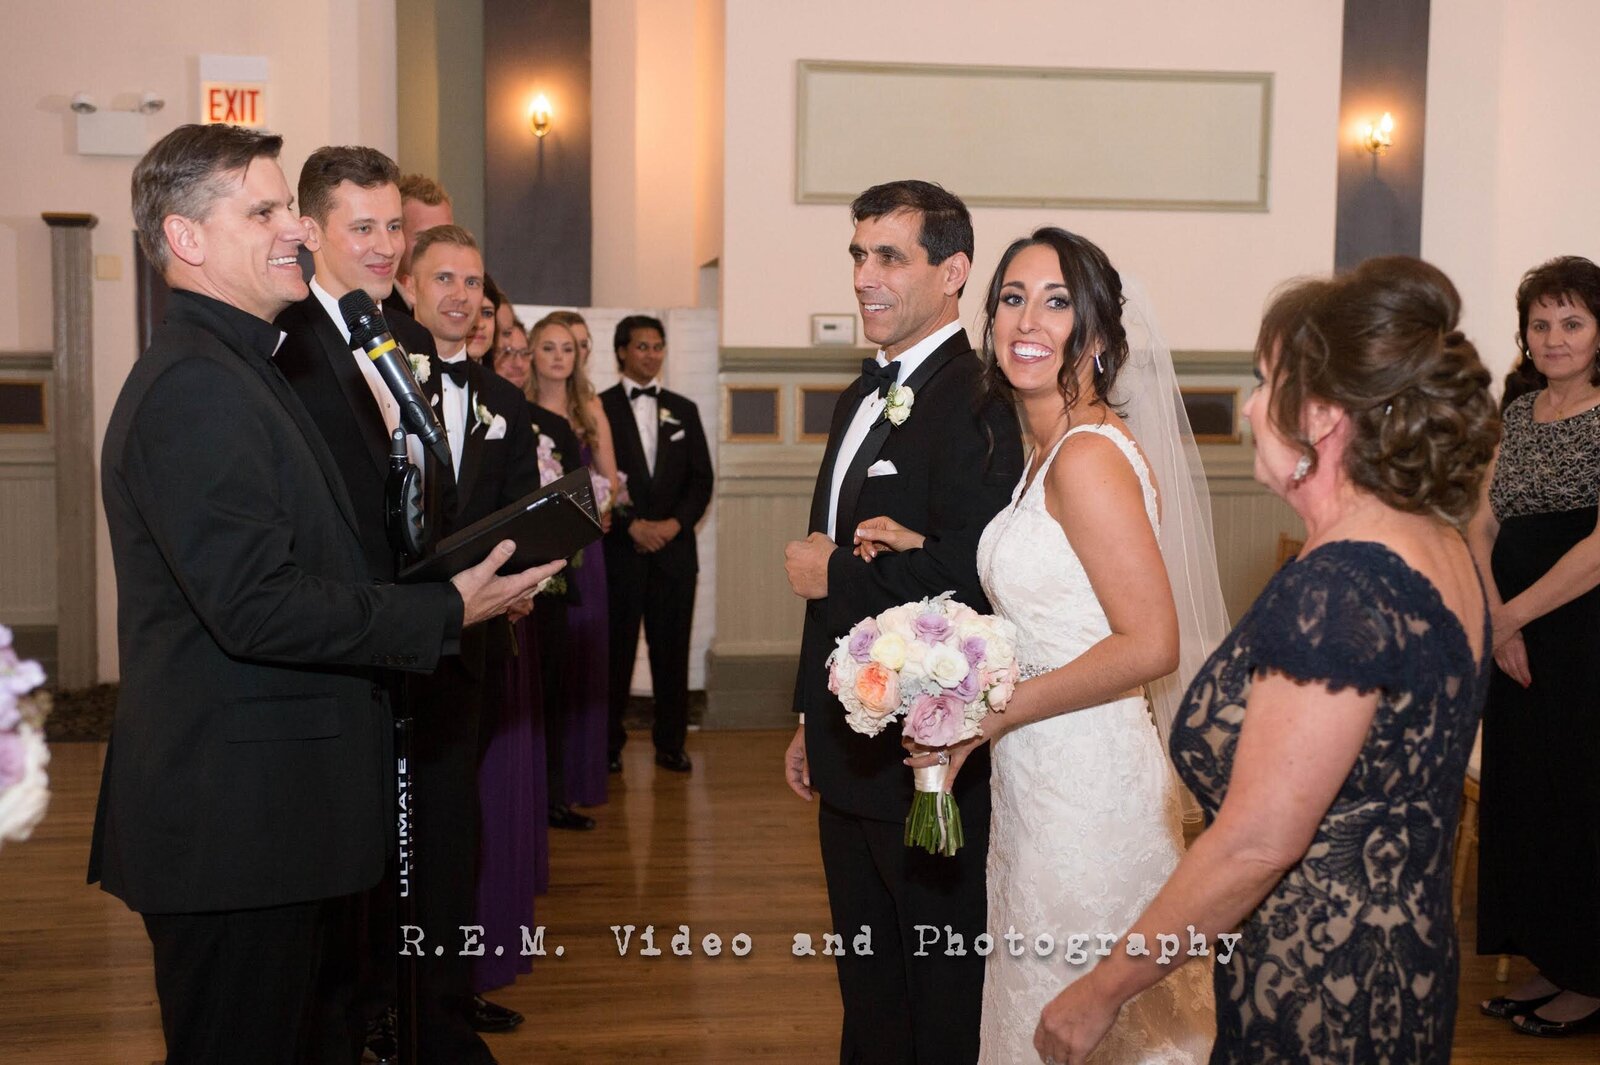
(1381, 343)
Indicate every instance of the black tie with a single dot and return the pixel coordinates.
(648, 390)
(876, 378)
(456, 371)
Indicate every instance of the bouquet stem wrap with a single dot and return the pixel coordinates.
(934, 823)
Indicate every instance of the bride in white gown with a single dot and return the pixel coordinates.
(1086, 821)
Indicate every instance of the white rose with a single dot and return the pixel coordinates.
(421, 368)
(897, 404)
(898, 620)
(915, 666)
(1000, 652)
(22, 805)
(889, 650)
(947, 666)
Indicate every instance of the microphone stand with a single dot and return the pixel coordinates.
(408, 533)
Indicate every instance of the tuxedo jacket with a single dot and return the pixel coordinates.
(681, 485)
(951, 476)
(250, 755)
(319, 366)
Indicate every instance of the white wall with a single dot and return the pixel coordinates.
(1512, 161)
(333, 77)
(1209, 273)
(657, 144)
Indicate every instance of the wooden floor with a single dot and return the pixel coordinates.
(727, 850)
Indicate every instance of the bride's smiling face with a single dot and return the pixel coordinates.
(1033, 321)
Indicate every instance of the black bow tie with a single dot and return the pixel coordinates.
(876, 378)
(648, 390)
(456, 371)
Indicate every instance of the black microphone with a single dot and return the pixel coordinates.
(370, 333)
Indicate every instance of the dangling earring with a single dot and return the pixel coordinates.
(1301, 469)
(1098, 368)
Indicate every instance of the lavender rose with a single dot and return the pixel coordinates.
(975, 648)
(970, 687)
(931, 628)
(861, 640)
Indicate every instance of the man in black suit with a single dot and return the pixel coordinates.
(945, 471)
(651, 558)
(350, 200)
(245, 795)
(496, 463)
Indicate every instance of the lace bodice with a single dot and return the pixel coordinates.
(1085, 826)
(1032, 576)
(1352, 957)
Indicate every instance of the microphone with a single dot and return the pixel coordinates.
(370, 333)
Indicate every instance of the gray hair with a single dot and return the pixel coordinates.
(183, 174)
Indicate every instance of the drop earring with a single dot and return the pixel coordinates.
(1301, 469)
(1098, 368)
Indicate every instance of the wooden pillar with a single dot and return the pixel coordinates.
(72, 281)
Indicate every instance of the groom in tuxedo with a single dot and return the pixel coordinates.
(944, 471)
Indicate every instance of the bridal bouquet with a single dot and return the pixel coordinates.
(938, 666)
(24, 784)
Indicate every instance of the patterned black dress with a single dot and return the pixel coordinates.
(1539, 820)
(1352, 957)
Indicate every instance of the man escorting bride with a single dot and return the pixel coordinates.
(1086, 824)
(1086, 817)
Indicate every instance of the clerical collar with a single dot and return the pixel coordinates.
(237, 328)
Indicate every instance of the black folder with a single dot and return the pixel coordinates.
(557, 521)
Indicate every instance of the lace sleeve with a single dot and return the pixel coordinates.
(1331, 618)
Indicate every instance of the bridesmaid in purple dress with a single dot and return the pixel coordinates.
(587, 637)
(514, 862)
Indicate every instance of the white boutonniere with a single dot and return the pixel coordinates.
(668, 418)
(897, 405)
(421, 368)
(495, 423)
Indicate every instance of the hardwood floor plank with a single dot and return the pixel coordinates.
(728, 849)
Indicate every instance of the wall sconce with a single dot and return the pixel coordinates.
(1378, 138)
(539, 115)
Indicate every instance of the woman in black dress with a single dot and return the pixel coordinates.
(1539, 819)
(1327, 738)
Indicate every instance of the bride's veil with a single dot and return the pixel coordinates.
(1152, 407)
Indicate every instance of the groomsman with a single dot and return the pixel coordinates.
(424, 203)
(945, 471)
(651, 558)
(246, 795)
(495, 456)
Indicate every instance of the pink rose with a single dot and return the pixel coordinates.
(1001, 693)
(935, 720)
(878, 688)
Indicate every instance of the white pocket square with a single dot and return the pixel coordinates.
(881, 468)
(676, 436)
(497, 428)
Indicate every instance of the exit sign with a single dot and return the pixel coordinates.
(233, 90)
(239, 104)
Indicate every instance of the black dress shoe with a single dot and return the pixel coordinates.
(566, 817)
(1506, 1008)
(676, 761)
(487, 1017)
(614, 764)
(1533, 1024)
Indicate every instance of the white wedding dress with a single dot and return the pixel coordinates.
(1085, 826)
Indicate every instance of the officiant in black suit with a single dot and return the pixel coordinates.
(948, 467)
(651, 558)
(246, 793)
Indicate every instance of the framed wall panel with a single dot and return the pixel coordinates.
(814, 411)
(1128, 139)
(24, 406)
(752, 414)
(1213, 413)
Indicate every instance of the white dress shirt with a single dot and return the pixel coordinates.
(369, 372)
(871, 406)
(647, 416)
(456, 417)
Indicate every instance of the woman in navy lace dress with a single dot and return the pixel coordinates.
(1327, 738)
